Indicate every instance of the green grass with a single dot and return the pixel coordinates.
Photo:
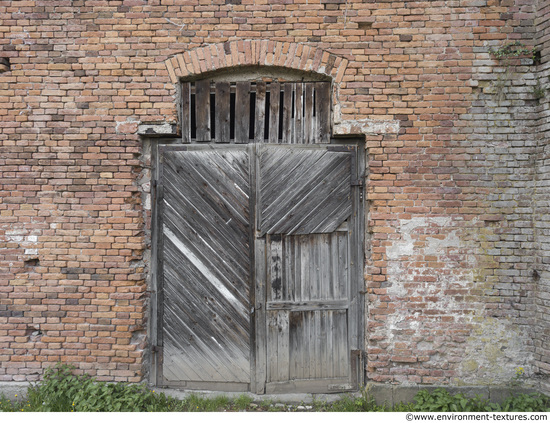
(63, 391)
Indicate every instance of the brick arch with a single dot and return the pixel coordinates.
(212, 57)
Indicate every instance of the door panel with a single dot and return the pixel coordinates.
(304, 207)
(303, 190)
(206, 266)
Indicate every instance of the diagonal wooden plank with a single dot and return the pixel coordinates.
(206, 266)
(308, 195)
(226, 241)
(296, 167)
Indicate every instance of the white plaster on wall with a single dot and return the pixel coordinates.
(366, 126)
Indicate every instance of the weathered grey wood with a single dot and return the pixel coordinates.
(274, 110)
(308, 305)
(282, 346)
(242, 112)
(333, 385)
(275, 292)
(272, 345)
(316, 193)
(260, 312)
(302, 296)
(206, 322)
(260, 112)
(186, 112)
(323, 107)
(223, 94)
(288, 121)
(210, 386)
(309, 120)
(202, 103)
(305, 112)
(299, 114)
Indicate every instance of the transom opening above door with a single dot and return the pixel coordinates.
(256, 112)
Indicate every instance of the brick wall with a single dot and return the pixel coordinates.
(541, 205)
(453, 234)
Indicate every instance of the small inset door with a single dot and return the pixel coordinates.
(304, 224)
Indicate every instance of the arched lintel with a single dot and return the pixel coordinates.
(247, 54)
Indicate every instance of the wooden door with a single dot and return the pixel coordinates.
(204, 268)
(304, 214)
(259, 265)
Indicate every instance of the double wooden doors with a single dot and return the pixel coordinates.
(259, 267)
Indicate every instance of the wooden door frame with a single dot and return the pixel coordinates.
(356, 317)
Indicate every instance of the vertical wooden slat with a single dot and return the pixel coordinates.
(272, 345)
(186, 112)
(202, 103)
(309, 121)
(288, 124)
(283, 346)
(260, 112)
(322, 106)
(222, 112)
(305, 269)
(298, 115)
(274, 110)
(295, 342)
(330, 343)
(260, 297)
(242, 112)
(276, 268)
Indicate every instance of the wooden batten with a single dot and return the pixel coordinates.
(256, 112)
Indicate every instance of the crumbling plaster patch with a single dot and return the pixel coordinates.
(426, 294)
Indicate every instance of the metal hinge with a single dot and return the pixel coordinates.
(357, 183)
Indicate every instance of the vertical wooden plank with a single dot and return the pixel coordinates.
(260, 313)
(272, 345)
(309, 120)
(288, 123)
(357, 282)
(282, 346)
(274, 110)
(297, 289)
(314, 266)
(298, 115)
(323, 363)
(159, 277)
(202, 103)
(222, 112)
(343, 265)
(334, 292)
(341, 344)
(330, 346)
(186, 112)
(312, 345)
(306, 345)
(304, 269)
(323, 107)
(242, 112)
(260, 112)
(317, 341)
(275, 259)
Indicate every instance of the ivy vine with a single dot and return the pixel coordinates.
(514, 50)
